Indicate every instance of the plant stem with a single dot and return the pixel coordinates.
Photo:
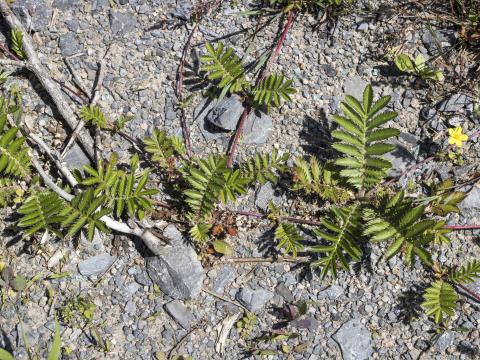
(232, 150)
(462, 227)
(469, 292)
(179, 91)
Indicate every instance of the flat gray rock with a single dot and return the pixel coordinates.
(445, 340)
(180, 313)
(75, 158)
(34, 14)
(401, 158)
(226, 113)
(122, 23)
(264, 195)
(254, 300)
(257, 129)
(470, 206)
(453, 103)
(355, 340)
(354, 86)
(224, 277)
(96, 265)
(69, 44)
(177, 271)
(65, 4)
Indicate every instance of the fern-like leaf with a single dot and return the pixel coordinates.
(398, 221)
(466, 274)
(200, 232)
(341, 233)
(125, 192)
(85, 209)
(446, 201)
(162, 147)
(288, 238)
(41, 211)
(440, 300)
(94, 115)
(9, 188)
(361, 141)
(17, 44)
(312, 178)
(14, 159)
(263, 167)
(272, 90)
(224, 67)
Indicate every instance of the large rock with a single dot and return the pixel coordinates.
(75, 158)
(470, 206)
(355, 340)
(254, 300)
(226, 113)
(354, 86)
(96, 265)
(401, 158)
(180, 313)
(176, 270)
(69, 44)
(257, 129)
(122, 23)
(454, 103)
(34, 14)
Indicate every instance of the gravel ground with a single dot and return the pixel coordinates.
(370, 312)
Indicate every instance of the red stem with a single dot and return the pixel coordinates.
(461, 227)
(7, 51)
(469, 292)
(232, 151)
(179, 92)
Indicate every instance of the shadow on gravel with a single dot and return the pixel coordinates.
(409, 303)
(316, 136)
(5, 342)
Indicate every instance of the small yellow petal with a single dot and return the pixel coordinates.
(464, 137)
(450, 132)
(451, 141)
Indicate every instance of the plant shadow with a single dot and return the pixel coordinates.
(409, 303)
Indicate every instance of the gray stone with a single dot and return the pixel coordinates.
(122, 23)
(75, 158)
(453, 103)
(354, 86)
(31, 335)
(440, 38)
(226, 113)
(34, 14)
(180, 313)
(428, 113)
(257, 129)
(471, 203)
(284, 292)
(254, 300)
(329, 70)
(65, 4)
(225, 276)
(354, 340)
(143, 279)
(445, 340)
(264, 195)
(96, 265)
(331, 293)
(183, 10)
(401, 158)
(99, 5)
(176, 270)
(362, 27)
(69, 44)
(132, 288)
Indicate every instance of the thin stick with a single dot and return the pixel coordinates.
(35, 66)
(93, 101)
(274, 260)
(77, 80)
(179, 91)
(224, 299)
(232, 150)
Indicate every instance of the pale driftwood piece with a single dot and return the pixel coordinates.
(155, 244)
(34, 65)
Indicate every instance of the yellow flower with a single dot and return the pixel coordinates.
(456, 137)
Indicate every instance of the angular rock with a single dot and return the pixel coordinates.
(69, 44)
(254, 300)
(96, 265)
(34, 14)
(401, 158)
(177, 270)
(99, 5)
(180, 313)
(122, 23)
(445, 340)
(208, 130)
(257, 129)
(224, 277)
(354, 340)
(65, 4)
(226, 113)
(264, 195)
(75, 158)
(471, 204)
(331, 293)
(453, 103)
(354, 86)
(183, 10)
(284, 292)
(440, 38)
